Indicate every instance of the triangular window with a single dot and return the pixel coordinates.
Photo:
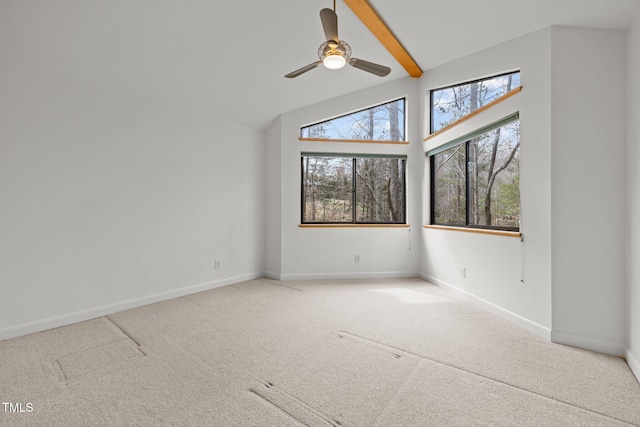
(383, 122)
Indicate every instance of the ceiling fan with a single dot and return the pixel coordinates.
(335, 53)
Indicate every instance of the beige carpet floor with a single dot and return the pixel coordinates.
(398, 352)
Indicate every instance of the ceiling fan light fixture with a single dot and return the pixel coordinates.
(334, 54)
(334, 61)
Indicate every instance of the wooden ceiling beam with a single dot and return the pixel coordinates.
(374, 23)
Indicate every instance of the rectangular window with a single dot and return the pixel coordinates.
(452, 103)
(476, 182)
(449, 186)
(384, 122)
(358, 189)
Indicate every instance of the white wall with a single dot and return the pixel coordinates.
(633, 228)
(494, 263)
(273, 202)
(329, 252)
(111, 200)
(588, 158)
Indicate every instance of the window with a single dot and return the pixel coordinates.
(384, 122)
(355, 189)
(452, 103)
(476, 182)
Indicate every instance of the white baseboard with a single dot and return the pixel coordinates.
(586, 343)
(516, 319)
(357, 275)
(272, 275)
(92, 313)
(633, 363)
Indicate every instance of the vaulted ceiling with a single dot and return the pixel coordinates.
(229, 58)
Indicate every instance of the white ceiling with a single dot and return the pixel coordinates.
(229, 58)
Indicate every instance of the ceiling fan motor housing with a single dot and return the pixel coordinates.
(332, 47)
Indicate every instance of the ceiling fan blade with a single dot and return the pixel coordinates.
(378, 70)
(303, 70)
(329, 24)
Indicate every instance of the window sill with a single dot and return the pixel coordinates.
(353, 225)
(477, 230)
(363, 141)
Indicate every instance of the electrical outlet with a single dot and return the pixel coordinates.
(463, 272)
(356, 259)
(216, 264)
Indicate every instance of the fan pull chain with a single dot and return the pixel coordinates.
(522, 259)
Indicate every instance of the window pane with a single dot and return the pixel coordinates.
(327, 189)
(380, 190)
(381, 123)
(452, 103)
(494, 176)
(449, 186)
